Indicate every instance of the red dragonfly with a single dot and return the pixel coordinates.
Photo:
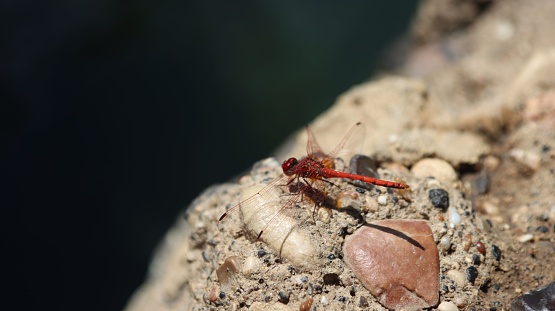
(308, 172)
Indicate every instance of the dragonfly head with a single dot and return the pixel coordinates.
(288, 166)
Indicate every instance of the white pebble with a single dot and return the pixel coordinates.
(382, 199)
(445, 243)
(529, 159)
(454, 216)
(525, 237)
(250, 266)
(457, 277)
(324, 300)
(447, 306)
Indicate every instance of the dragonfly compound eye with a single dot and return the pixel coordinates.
(288, 166)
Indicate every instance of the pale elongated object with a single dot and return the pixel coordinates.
(281, 232)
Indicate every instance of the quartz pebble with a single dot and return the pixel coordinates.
(525, 238)
(529, 159)
(454, 216)
(447, 306)
(457, 276)
(382, 199)
(445, 243)
(250, 265)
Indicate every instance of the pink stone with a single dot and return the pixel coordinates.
(397, 261)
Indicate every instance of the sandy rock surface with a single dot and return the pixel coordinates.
(467, 121)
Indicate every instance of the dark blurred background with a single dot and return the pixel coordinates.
(117, 114)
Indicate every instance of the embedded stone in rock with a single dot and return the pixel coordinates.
(539, 299)
(437, 168)
(397, 261)
(439, 198)
(227, 271)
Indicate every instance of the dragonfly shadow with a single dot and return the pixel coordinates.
(320, 199)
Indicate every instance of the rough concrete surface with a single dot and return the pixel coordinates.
(474, 96)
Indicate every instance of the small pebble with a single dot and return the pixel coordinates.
(459, 302)
(445, 243)
(283, 297)
(447, 306)
(454, 216)
(471, 274)
(250, 265)
(525, 238)
(529, 159)
(490, 208)
(371, 205)
(261, 253)
(305, 306)
(214, 293)
(496, 252)
(457, 277)
(542, 229)
(324, 300)
(439, 198)
(481, 248)
(382, 199)
(476, 259)
(227, 270)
